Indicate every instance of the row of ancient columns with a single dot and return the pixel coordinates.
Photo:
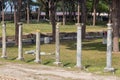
(57, 62)
(108, 52)
(20, 48)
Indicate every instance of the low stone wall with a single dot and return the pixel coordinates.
(30, 38)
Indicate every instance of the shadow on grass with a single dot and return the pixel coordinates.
(15, 46)
(66, 64)
(14, 58)
(87, 66)
(115, 70)
(31, 60)
(46, 63)
(86, 45)
(94, 46)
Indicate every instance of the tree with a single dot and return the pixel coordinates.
(83, 17)
(2, 8)
(115, 20)
(52, 17)
(17, 15)
(40, 6)
(45, 4)
(10, 2)
(63, 9)
(95, 3)
(78, 12)
(28, 11)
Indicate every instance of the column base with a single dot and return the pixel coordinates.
(5, 57)
(109, 69)
(79, 67)
(22, 59)
(37, 61)
(58, 63)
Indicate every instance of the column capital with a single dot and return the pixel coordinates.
(109, 25)
(20, 23)
(79, 24)
(37, 30)
(58, 24)
(4, 23)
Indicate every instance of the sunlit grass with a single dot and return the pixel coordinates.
(46, 28)
(93, 55)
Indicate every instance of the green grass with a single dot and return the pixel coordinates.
(46, 28)
(93, 55)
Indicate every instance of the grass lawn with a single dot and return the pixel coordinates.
(93, 51)
(47, 28)
(93, 55)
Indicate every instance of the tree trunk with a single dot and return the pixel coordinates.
(52, 17)
(0, 9)
(17, 19)
(94, 12)
(28, 10)
(39, 13)
(15, 14)
(83, 17)
(0, 15)
(11, 12)
(15, 22)
(116, 20)
(110, 12)
(78, 17)
(47, 9)
(64, 19)
(3, 14)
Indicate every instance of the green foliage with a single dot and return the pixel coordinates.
(89, 5)
(101, 7)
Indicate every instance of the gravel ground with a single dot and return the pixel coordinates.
(12, 71)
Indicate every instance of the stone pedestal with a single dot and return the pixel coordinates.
(20, 50)
(58, 64)
(57, 53)
(109, 49)
(79, 47)
(4, 54)
(37, 59)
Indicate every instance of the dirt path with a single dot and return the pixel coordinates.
(40, 72)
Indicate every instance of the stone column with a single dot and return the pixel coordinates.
(20, 50)
(37, 59)
(109, 49)
(57, 46)
(79, 47)
(4, 54)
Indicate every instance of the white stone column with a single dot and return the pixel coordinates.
(4, 54)
(20, 50)
(57, 52)
(109, 49)
(79, 45)
(37, 59)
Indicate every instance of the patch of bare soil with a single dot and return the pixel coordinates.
(12, 71)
